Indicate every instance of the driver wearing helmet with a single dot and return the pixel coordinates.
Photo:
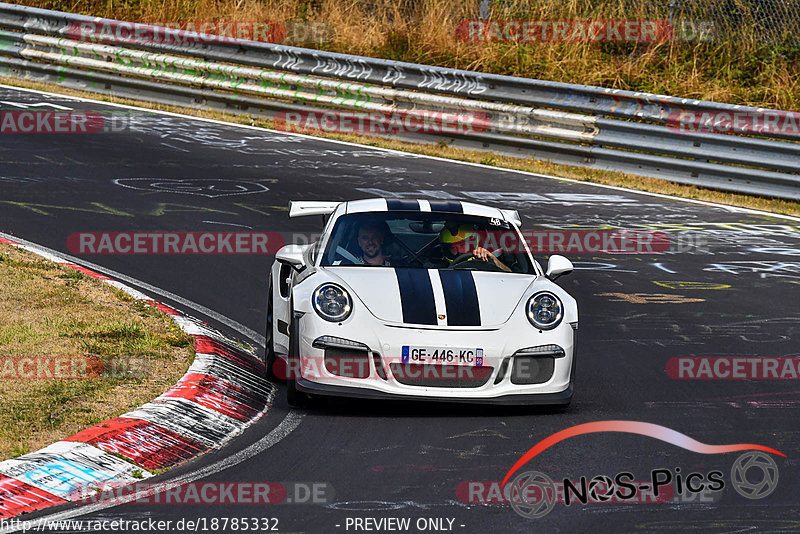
(465, 241)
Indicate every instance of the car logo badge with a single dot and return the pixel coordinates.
(441, 316)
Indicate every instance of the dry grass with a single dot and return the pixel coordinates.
(620, 179)
(53, 313)
(737, 69)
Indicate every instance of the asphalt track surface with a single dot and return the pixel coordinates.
(392, 459)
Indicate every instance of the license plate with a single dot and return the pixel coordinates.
(442, 355)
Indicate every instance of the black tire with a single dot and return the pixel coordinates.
(564, 406)
(269, 338)
(294, 396)
(572, 369)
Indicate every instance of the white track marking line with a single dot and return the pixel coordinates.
(284, 428)
(734, 209)
(292, 420)
(289, 424)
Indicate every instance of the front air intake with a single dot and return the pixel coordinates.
(532, 369)
(440, 376)
(347, 363)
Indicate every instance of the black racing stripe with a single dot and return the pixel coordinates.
(416, 296)
(461, 298)
(452, 206)
(401, 205)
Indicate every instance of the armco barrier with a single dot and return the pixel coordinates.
(222, 393)
(563, 123)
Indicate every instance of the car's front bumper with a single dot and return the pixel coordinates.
(562, 398)
(385, 342)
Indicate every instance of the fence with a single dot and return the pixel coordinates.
(586, 126)
(774, 22)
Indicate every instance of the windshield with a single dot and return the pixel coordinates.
(427, 240)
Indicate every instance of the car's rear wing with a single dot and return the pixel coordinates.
(302, 208)
(513, 216)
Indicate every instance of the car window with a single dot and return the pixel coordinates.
(426, 240)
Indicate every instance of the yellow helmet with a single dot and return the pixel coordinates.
(460, 240)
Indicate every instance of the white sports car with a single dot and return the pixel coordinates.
(420, 299)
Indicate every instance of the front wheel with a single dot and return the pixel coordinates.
(269, 338)
(295, 397)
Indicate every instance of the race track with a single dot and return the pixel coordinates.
(728, 286)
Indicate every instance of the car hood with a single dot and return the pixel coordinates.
(439, 298)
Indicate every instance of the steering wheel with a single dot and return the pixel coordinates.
(461, 258)
(480, 265)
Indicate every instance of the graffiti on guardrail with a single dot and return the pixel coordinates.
(393, 75)
(744, 166)
(456, 82)
(348, 68)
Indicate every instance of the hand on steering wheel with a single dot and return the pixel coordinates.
(482, 255)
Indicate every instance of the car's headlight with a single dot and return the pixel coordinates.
(332, 302)
(545, 310)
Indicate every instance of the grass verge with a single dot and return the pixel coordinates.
(612, 178)
(75, 351)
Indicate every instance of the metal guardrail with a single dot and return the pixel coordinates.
(563, 123)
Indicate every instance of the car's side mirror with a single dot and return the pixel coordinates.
(293, 255)
(558, 266)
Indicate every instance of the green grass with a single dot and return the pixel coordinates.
(118, 353)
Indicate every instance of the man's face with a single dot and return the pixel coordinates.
(370, 239)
